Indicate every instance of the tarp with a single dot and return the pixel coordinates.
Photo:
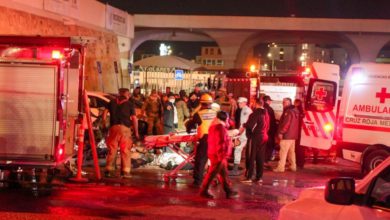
(168, 61)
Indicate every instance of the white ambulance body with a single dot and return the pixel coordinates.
(364, 115)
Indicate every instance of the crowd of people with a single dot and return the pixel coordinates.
(211, 114)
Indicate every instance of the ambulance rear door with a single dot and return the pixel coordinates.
(320, 106)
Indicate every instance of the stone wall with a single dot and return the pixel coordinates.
(104, 49)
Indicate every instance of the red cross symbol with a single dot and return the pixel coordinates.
(382, 95)
(321, 93)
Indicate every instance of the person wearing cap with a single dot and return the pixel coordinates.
(153, 110)
(218, 151)
(202, 120)
(122, 117)
(272, 129)
(288, 134)
(244, 112)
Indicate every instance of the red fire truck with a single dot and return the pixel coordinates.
(41, 85)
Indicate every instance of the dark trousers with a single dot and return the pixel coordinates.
(270, 147)
(255, 153)
(217, 167)
(200, 160)
(299, 150)
(300, 155)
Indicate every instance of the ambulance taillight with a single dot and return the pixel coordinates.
(328, 127)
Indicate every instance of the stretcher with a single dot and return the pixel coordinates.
(173, 142)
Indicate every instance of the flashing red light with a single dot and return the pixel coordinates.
(306, 71)
(328, 127)
(56, 54)
(252, 68)
(60, 152)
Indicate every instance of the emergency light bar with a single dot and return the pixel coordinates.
(358, 75)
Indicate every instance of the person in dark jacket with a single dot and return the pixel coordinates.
(170, 115)
(300, 150)
(288, 133)
(219, 149)
(257, 131)
(272, 128)
(122, 118)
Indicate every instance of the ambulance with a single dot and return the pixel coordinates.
(41, 85)
(363, 125)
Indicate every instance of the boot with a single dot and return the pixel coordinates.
(206, 194)
(235, 171)
(231, 194)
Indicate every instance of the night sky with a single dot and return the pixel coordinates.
(374, 9)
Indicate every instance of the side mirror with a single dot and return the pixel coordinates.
(340, 191)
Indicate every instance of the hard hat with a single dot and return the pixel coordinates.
(206, 98)
(216, 107)
(242, 99)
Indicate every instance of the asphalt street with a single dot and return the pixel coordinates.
(147, 196)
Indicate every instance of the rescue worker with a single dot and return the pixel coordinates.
(122, 116)
(152, 108)
(257, 130)
(245, 111)
(202, 119)
(138, 98)
(271, 131)
(288, 133)
(218, 151)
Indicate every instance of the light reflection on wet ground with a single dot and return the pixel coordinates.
(147, 196)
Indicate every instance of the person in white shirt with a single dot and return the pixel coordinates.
(245, 111)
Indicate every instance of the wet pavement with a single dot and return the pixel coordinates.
(147, 196)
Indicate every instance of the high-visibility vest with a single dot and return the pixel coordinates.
(206, 116)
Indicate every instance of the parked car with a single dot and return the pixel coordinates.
(98, 102)
(342, 199)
